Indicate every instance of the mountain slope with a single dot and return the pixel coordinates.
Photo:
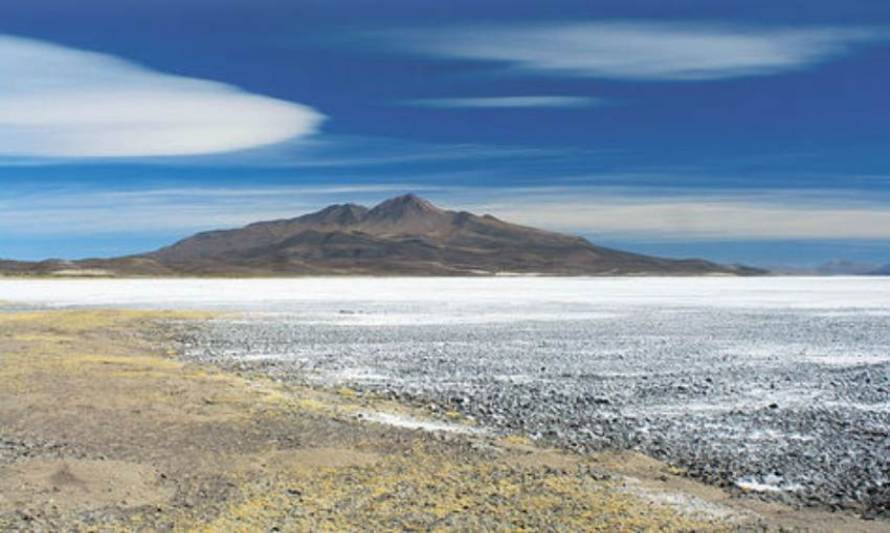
(407, 234)
(403, 235)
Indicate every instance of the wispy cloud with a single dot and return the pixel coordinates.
(78, 212)
(509, 102)
(730, 216)
(607, 212)
(64, 102)
(327, 151)
(637, 50)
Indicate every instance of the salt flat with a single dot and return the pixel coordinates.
(836, 293)
(780, 385)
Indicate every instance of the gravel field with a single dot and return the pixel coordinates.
(775, 386)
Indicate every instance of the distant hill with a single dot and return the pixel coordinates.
(837, 267)
(406, 235)
(881, 271)
(843, 267)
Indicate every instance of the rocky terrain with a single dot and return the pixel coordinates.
(103, 429)
(790, 405)
(406, 235)
(448, 403)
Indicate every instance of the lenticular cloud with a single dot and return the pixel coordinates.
(639, 51)
(62, 102)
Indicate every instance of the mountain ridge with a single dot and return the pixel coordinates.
(405, 235)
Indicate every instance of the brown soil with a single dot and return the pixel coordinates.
(81, 485)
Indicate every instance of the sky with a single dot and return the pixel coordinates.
(740, 131)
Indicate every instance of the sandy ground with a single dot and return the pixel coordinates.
(102, 428)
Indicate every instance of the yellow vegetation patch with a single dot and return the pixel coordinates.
(309, 404)
(676, 471)
(134, 361)
(75, 322)
(516, 440)
(41, 337)
(428, 490)
(346, 392)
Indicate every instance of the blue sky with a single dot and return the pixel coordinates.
(748, 131)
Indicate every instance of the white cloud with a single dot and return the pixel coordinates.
(637, 50)
(187, 209)
(509, 102)
(331, 151)
(596, 211)
(729, 215)
(63, 102)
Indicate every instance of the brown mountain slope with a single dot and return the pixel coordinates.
(403, 235)
(407, 234)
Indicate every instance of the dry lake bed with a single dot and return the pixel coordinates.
(771, 388)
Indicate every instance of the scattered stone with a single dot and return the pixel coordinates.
(685, 386)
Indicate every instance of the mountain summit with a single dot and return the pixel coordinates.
(402, 235)
(403, 205)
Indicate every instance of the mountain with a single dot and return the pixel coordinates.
(404, 235)
(837, 267)
(881, 271)
(840, 267)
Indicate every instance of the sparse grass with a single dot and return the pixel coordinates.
(424, 489)
(516, 440)
(346, 392)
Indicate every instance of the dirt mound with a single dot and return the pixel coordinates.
(80, 485)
